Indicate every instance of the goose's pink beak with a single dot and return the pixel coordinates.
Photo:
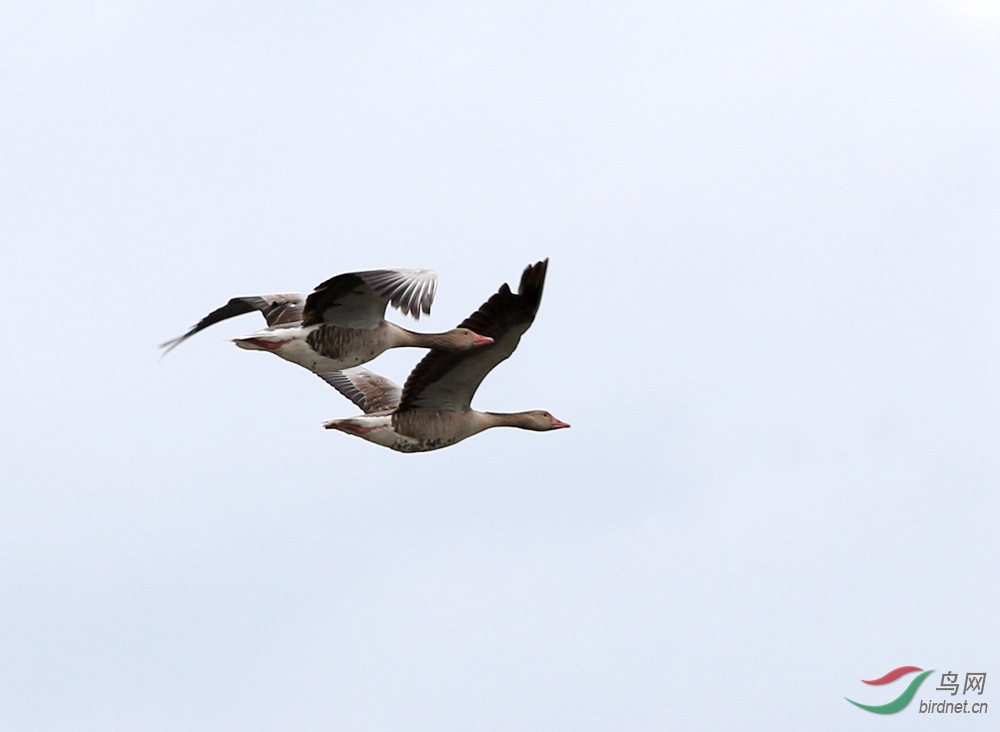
(556, 424)
(480, 340)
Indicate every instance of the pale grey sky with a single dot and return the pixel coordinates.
(771, 317)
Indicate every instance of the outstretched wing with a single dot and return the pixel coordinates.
(359, 299)
(371, 392)
(276, 309)
(447, 380)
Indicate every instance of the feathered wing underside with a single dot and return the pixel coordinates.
(370, 392)
(359, 299)
(448, 380)
(411, 291)
(276, 309)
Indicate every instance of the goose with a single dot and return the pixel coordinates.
(433, 410)
(342, 323)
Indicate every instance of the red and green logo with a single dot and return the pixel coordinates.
(903, 699)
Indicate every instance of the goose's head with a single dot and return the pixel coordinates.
(540, 421)
(461, 339)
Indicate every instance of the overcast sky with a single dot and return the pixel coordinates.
(772, 317)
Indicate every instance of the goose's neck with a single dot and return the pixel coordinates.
(401, 337)
(504, 419)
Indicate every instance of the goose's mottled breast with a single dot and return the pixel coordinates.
(435, 429)
(334, 348)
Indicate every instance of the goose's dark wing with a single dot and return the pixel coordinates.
(371, 392)
(447, 380)
(276, 309)
(359, 299)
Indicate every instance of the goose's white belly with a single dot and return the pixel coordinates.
(300, 352)
(291, 345)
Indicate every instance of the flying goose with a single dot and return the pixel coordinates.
(433, 410)
(342, 323)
